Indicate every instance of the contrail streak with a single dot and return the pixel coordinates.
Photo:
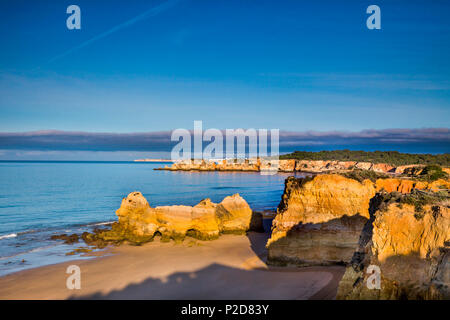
(149, 13)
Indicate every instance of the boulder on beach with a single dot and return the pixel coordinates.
(138, 222)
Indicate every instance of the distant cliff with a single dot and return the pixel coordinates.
(289, 165)
(393, 158)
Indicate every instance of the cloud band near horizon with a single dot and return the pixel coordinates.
(423, 140)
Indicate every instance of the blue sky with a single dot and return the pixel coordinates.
(292, 65)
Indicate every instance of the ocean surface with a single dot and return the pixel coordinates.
(40, 199)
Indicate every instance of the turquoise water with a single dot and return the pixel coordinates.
(39, 199)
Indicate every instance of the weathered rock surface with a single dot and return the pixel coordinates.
(285, 165)
(68, 239)
(206, 220)
(407, 185)
(401, 226)
(331, 242)
(382, 167)
(319, 220)
(364, 165)
(252, 165)
(403, 169)
(411, 250)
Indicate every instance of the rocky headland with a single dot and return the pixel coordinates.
(291, 165)
(400, 225)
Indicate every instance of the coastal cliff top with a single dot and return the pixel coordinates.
(394, 158)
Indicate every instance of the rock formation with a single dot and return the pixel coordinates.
(409, 246)
(402, 169)
(407, 185)
(400, 226)
(285, 165)
(138, 222)
(252, 165)
(319, 220)
(382, 167)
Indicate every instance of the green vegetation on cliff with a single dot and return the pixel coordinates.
(361, 175)
(416, 198)
(390, 157)
(433, 173)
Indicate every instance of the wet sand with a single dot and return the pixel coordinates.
(232, 267)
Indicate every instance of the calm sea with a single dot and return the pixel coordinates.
(39, 199)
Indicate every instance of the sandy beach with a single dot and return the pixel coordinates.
(232, 267)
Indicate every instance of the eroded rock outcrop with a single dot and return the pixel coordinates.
(382, 167)
(407, 168)
(409, 246)
(319, 220)
(407, 185)
(286, 165)
(138, 222)
(391, 185)
(252, 165)
(401, 226)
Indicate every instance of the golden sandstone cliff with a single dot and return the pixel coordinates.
(407, 185)
(319, 220)
(410, 249)
(387, 223)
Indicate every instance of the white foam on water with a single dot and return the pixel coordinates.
(101, 223)
(6, 236)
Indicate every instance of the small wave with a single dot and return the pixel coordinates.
(101, 223)
(90, 224)
(27, 232)
(6, 236)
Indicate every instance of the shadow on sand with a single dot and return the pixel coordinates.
(218, 281)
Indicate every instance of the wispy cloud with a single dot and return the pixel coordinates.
(149, 13)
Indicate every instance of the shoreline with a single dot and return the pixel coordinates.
(47, 251)
(231, 267)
